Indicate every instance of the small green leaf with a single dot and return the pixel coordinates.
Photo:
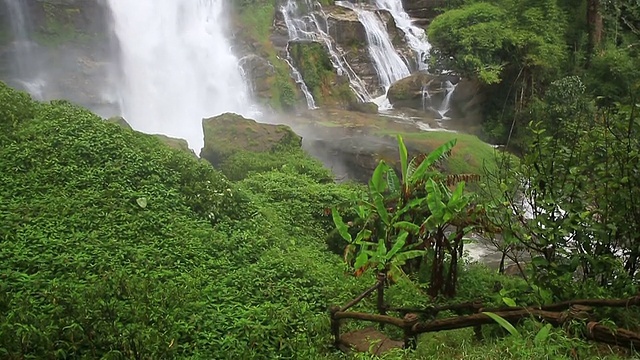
(542, 335)
(509, 301)
(382, 248)
(142, 202)
(364, 234)
(403, 158)
(539, 261)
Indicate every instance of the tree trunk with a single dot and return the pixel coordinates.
(594, 20)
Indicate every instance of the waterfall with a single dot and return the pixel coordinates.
(304, 24)
(446, 103)
(297, 77)
(25, 68)
(416, 36)
(177, 66)
(426, 97)
(389, 66)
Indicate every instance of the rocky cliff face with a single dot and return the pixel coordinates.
(71, 41)
(423, 11)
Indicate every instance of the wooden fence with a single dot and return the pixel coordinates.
(471, 314)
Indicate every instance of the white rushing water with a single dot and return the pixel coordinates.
(25, 68)
(177, 66)
(389, 66)
(309, 23)
(446, 103)
(416, 36)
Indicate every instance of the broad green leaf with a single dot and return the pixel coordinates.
(396, 273)
(402, 257)
(402, 149)
(361, 260)
(382, 210)
(411, 205)
(399, 244)
(142, 202)
(377, 182)
(542, 335)
(434, 198)
(433, 156)
(504, 323)
(348, 253)
(364, 234)
(407, 226)
(539, 261)
(393, 183)
(340, 225)
(458, 192)
(360, 209)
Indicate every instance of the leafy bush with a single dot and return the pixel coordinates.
(243, 163)
(113, 245)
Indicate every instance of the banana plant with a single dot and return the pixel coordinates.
(392, 216)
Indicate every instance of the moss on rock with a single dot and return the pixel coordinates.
(229, 133)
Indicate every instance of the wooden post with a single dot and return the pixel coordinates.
(335, 325)
(410, 341)
(477, 330)
(382, 277)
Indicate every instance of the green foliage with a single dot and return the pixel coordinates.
(401, 219)
(614, 76)
(255, 22)
(116, 246)
(481, 39)
(241, 164)
(578, 180)
(315, 67)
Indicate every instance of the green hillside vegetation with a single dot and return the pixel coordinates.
(116, 246)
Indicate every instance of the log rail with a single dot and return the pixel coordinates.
(555, 314)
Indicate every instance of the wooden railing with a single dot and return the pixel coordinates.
(555, 314)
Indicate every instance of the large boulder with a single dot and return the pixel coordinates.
(411, 91)
(229, 133)
(468, 101)
(427, 92)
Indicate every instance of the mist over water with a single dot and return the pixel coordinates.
(177, 66)
(25, 69)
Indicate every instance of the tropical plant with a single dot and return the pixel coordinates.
(410, 217)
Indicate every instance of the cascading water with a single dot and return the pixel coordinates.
(297, 77)
(416, 36)
(446, 103)
(177, 66)
(25, 68)
(426, 97)
(304, 24)
(389, 66)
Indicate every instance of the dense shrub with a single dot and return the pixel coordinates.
(113, 245)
